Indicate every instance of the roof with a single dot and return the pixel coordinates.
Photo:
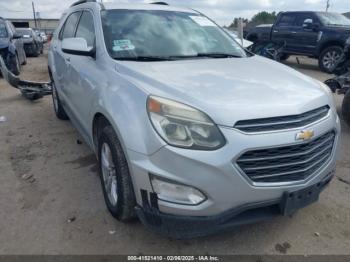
(347, 14)
(110, 6)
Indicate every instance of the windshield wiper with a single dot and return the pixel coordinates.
(218, 55)
(144, 58)
(173, 58)
(210, 55)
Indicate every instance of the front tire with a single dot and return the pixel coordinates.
(115, 177)
(329, 58)
(346, 107)
(59, 110)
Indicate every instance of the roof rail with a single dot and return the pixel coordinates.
(83, 2)
(159, 3)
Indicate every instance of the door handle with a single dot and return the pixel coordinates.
(68, 59)
(293, 32)
(275, 31)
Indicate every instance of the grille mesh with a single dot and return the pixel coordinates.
(283, 122)
(289, 163)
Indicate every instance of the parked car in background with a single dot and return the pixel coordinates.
(11, 47)
(315, 34)
(193, 133)
(33, 45)
(43, 36)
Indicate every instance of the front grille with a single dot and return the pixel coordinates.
(287, 163)
(282, 122)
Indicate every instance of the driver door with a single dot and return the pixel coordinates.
(306, 38)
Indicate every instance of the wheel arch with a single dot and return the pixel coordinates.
(329, 44)
(98, 123)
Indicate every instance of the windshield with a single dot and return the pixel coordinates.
(3, 31)
(164, 34)
(334, 19)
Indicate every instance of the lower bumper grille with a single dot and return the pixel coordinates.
(288, 163)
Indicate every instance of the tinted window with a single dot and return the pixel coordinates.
(302, 17)
(86, 28)
(3, 31)
(287, 20)
(69, 26)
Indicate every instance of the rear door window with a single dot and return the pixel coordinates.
(287, 20)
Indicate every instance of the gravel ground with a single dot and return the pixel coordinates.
(51, 200)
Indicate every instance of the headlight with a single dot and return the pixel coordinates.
(183, 126)
(176, 193)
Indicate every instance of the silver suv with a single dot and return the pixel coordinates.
(193, 133)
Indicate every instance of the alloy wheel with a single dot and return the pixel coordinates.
(109, 174)
(330, 59)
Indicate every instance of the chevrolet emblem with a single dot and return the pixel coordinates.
(305, 135)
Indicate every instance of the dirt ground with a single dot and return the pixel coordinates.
(60, 209)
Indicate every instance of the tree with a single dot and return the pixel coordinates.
(258, 19)
(263, 18)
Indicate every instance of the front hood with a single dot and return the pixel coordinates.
(340, 29)
(229, 90)
(4, 43)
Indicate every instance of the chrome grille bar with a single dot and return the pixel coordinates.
(282, 122)
(287, 163)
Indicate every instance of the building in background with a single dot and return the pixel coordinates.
(43, 24)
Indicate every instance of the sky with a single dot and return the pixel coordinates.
(222, 11)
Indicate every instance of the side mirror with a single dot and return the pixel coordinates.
(77, 46)
(16, 36)
(310, 25)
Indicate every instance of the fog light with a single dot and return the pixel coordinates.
(176, 193)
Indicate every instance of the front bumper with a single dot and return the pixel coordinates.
(216, 174)
(30, 49)
(182, 227)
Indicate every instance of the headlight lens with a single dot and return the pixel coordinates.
(176, 193)
(183, 126)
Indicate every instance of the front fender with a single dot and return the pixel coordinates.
(124, 105)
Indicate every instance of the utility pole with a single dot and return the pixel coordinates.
(328, 5)
(34, 14)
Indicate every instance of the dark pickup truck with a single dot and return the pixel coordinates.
(320, 35)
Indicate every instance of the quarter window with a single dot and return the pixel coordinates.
(86, 28)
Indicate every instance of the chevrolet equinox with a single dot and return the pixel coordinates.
(193, 133)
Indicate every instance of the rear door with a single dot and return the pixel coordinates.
(306, 39)
(284, 30)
